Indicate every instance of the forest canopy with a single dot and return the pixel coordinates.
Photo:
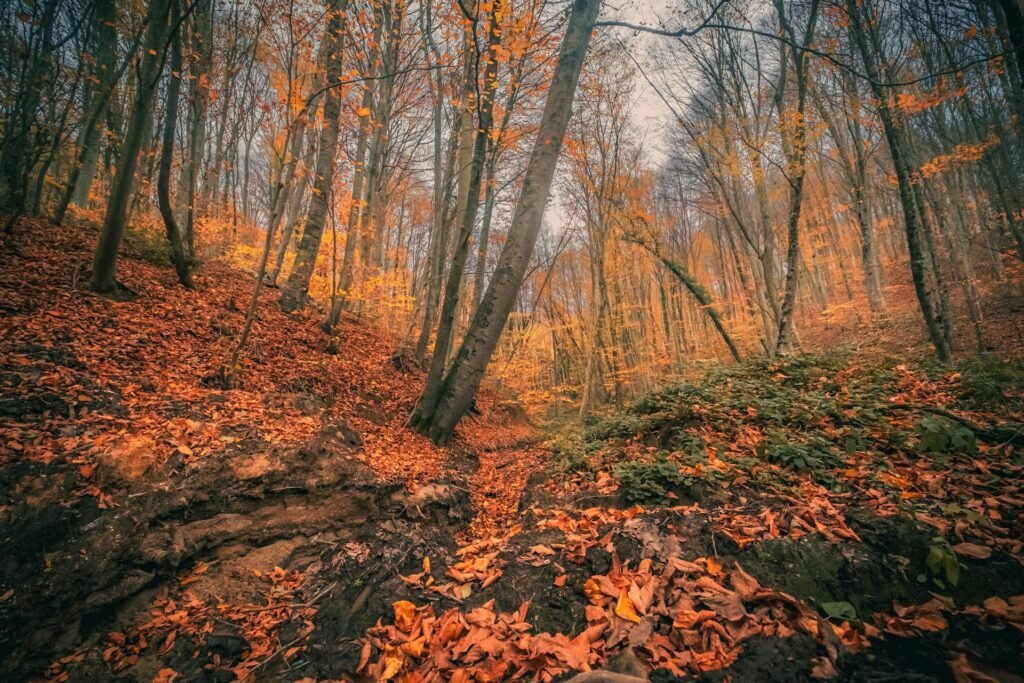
(582, 201)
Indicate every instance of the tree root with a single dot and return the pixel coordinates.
(999, 435)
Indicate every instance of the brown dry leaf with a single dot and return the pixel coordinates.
(414, 648)
(165, 676)
(726, 604)
(1012, 611)
(714, 566)
(624, 608)
(689, 618)
(592, 589)
(560, 580)
(745, 584)
(642, 596)
(823, 668)
(930, 622)
(973, 550)
(967, 670)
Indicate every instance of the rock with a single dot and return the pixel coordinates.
(226, 644)
(128, 457)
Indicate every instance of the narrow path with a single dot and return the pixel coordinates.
(498, 485)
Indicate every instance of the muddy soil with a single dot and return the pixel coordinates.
(78, 571)
(81, 572)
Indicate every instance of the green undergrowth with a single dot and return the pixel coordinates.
(806, 415)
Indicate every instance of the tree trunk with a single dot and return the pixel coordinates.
(178, 256)
(463, 378)
(699, 293)
(357, 205)
(796, 158)
(295, 291)
(446, 327)
(106, 76)
(897, 150)
(105, 259)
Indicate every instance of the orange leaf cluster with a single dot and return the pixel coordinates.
(479, 645)
(479, 563)
(813, 512)
(692, 616)
(582, 533)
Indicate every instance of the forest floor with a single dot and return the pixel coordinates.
(851, 516)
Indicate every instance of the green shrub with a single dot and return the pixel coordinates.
(648, 482)
(811, 453)
(568, 450)
(939, 435)
(618, 426)
(942, 567)
(988, 380)
(146, 245)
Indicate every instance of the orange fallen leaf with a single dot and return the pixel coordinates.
(624, 608)
(165, 676)
(592, 589)
(392, 663)
(405, 615)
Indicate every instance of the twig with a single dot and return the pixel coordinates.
(268, 659)
(293, 605)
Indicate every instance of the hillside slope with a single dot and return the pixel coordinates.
(849, 516)
(123, 462)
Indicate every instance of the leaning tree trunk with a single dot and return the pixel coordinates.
(105, 260)
(699, 293)
(296, 289)
(163, 183)
(453, 286)
(901, 167)
(463, 378)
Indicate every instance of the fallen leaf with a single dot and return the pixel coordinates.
(624, 608)
(973, 550)
(405, 615)
(392, 663)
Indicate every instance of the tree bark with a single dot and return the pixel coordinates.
(446, 327)
(192, 163)
(901, 167)
(796, 158)
(178, 256)
(463, 378)
(296, 289)
(105, 259)
(699, 293)
(106, 76)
